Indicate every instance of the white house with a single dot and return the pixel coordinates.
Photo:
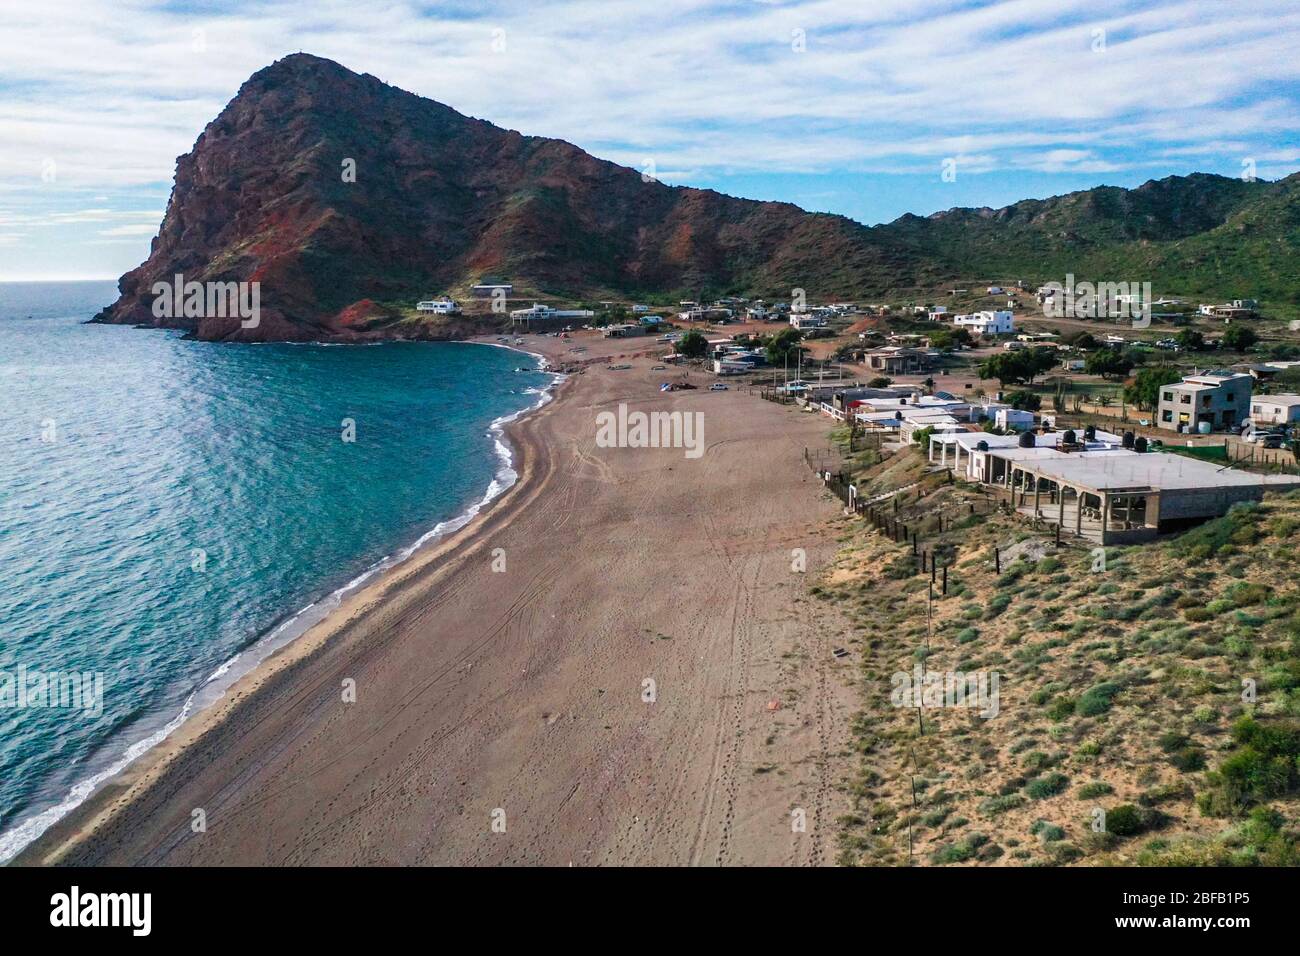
(438, 306)
(805, 320)
(1275, 409)
(1013, 419)
(538, 312)
(987, 322)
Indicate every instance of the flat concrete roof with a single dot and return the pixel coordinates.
(1159, 470)
(1285, 400)
(969, 440)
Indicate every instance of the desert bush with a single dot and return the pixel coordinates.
(1263, 766)
(1048, 785)
(1096, 700)
(1090, 791)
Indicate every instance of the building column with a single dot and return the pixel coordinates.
(1060, 505)
(1038, 490)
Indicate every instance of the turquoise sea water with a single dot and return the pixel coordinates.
(168, 506)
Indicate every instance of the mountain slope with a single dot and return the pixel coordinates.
(441, 199)
(1198, 234)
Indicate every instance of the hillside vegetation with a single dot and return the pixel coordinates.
(1159, 685)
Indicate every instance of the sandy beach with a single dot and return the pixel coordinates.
(502, 674)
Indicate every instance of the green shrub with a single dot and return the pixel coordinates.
(1060, 708)
(1124, 820)
(1048, 785)
(1189, 759)
(961, 851)
(1263, 766)
(1218, 537)
(1050, 833)
(1096, 700)
(1090, 791)
(995, 806)
(1245, 594)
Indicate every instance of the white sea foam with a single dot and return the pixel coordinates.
(225, 676)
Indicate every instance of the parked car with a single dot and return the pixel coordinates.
(658, 368)
(717, 387)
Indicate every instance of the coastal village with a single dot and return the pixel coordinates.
(1062, 502)
(1115, 434)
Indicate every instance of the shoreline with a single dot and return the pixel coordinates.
(474, 689)
(293, 628)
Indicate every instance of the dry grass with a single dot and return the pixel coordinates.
(1120, 689)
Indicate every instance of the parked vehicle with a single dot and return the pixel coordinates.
(717, 387)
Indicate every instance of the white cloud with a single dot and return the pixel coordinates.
(139, 229)
(110, 92)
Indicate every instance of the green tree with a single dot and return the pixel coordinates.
(1108, 363)
(1191, 340)
(949, 338)
(1025, 400)
(784, 345)
(693, 344)
(1017, 368)
(1145, 390)
(1239, 338)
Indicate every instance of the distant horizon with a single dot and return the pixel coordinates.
(33, 281)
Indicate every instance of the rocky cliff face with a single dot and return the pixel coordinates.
(440, 199)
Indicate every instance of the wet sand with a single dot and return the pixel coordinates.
(500, 715)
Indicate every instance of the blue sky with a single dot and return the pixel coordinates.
(842, 106)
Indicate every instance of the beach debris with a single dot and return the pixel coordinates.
(774, 704)
(840, 653)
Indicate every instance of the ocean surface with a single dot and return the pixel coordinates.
(171, 511)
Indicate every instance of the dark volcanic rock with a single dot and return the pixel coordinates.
(439, 200)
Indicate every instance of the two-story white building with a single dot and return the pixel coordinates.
(998, 322)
